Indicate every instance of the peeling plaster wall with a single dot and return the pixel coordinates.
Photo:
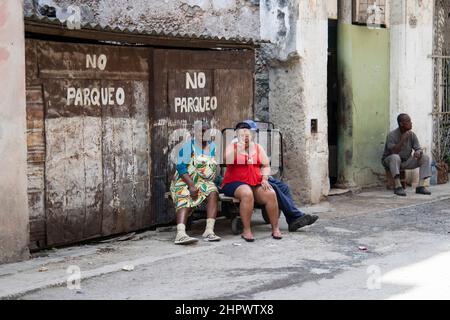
(228, 18)
(441, 47)
(363, 75)
(13, 166)
(261, 87)
(278, 20)
(312, 44)
(397, 77)
(411, 68)
(298, 90)
(365, 107)
(442, 27)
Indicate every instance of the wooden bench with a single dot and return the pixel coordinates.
(229, 209)
(222, 197)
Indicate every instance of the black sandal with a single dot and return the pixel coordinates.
(247, 239)
(277, 237)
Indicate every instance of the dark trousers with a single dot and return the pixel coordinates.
(285, 201)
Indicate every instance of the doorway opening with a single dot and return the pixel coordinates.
(332, 106)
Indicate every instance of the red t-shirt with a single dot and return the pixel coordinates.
(243, 171)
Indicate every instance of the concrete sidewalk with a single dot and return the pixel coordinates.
(49, 268)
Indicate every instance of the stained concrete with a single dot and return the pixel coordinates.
(411, 74)
(363, 73)
(13, 144)
(402, 239)
(383, 72)
(298, 32)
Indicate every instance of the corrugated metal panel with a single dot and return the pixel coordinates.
(35, 23)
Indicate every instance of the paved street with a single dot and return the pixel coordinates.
(106, 108)
(370, 245)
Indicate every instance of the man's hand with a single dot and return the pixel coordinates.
(265, 183)
(418, 154)
(194, 192)
(405, 135)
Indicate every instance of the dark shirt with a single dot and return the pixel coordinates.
(393, 138)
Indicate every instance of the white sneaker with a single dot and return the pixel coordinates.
(211, 237)
(185, 239)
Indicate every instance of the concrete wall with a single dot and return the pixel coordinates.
(383, 73)
(411, 68)
(261, 86)
(298, 90)
(13, 182)
(441, 47)
(332, 9)
(363, 73)
(442, 27)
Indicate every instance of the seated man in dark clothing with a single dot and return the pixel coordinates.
(398, 154)
(294, 217)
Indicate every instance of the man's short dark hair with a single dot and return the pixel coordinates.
(243, 125)
(401, 117)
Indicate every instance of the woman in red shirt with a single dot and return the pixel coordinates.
(246, 178)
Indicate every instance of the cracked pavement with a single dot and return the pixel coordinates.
(371, 245)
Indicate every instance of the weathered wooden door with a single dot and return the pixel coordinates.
(217, 86)
(97, 157)
(99, 119)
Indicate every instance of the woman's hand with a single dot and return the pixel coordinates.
(193, 192)
(239, 146)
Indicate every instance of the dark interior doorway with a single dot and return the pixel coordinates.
(332, 101)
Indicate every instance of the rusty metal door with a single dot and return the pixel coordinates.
(217, 86)
(97, 158)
